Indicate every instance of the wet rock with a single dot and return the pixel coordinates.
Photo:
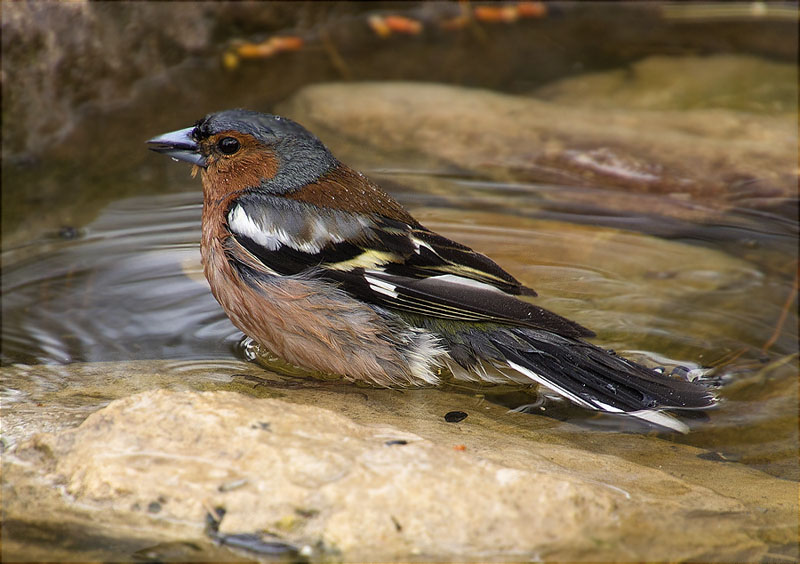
(706, 161)
(327, 484)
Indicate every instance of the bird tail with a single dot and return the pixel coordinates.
(593, 377)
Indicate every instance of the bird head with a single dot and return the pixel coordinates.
(237, 150)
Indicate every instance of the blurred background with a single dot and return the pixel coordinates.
(85, 82)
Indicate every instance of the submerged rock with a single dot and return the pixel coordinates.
(732, 82)
(707, 161)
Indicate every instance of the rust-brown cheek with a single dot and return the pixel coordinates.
(226, 175)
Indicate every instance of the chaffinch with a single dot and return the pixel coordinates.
(314, 261)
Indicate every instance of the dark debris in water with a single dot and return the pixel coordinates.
(719, 456)
(455, 416)
(263, 425)
(68, 232)
(396, 442)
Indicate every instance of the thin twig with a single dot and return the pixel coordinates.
(784, 312)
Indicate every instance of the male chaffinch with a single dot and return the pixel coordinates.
(315, 262)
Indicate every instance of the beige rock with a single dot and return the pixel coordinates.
(316, 478)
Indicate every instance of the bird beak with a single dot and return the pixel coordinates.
(179, 145)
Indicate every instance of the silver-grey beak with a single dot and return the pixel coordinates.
(179, 145)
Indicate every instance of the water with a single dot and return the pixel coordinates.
(130, 286)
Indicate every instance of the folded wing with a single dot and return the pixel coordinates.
(388, 263)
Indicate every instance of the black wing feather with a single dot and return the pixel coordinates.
(464, 302)
(599, 378)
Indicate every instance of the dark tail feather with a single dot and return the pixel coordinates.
(597, 379)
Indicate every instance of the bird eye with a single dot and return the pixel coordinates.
(228, 145)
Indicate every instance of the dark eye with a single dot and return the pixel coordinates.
(228, 145)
